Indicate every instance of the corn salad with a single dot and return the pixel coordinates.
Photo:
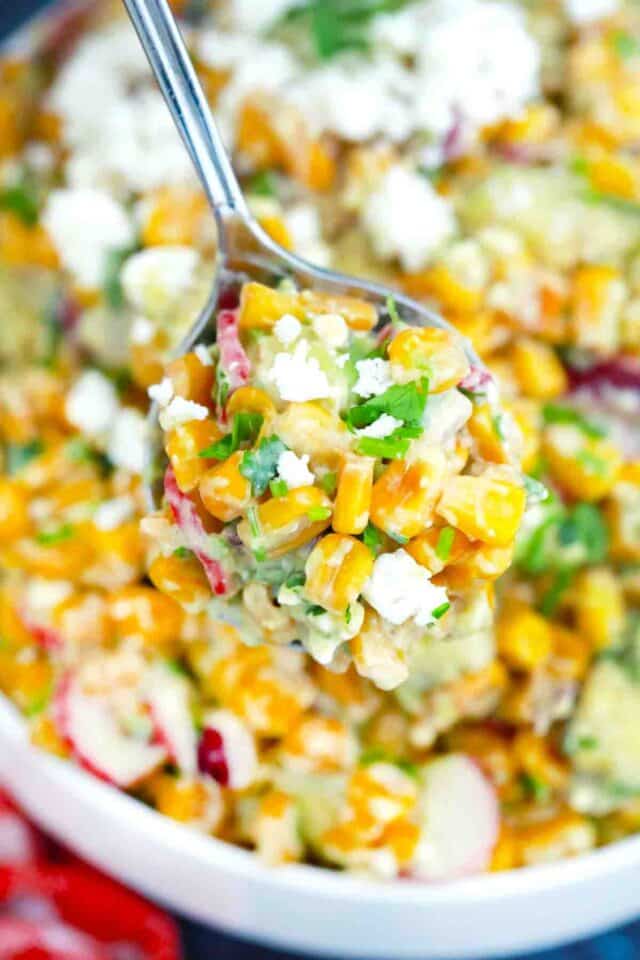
(511, 204)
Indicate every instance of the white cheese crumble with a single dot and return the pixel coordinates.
(444, 417)
(374, 377)
(332, 329)
(203, 355)
(142, 331)
(303, 225)
(126, 447)
(179, 411)
(298, 376)
(256, 15)
(161, 392)
(85, 225)
(400, 590)
(382, 427)
(287, 329)
(406, 219)
(239, 747)
(113, 513)
(586, 11)
(294, 470)
(92, 403)
(158, 275)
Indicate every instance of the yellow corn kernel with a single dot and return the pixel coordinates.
(277, 229)
(565, 835)
(81, 618)
(184, 444)
(535, 125)
(505, 852)
(285, 523)
(66, 560)
(14, 510)
(523, 635)
(192, 379)
(181, 800)
(182, 579)
(622, 506)
(261, 306)
(176, 216)
(43, 734)
(428, 351)
(596, 301)
(404, 498)
(538, 370)
(250, 400)
(378, 795)
(146, 360)
(526, 414)
(438, 547)
(319, 744)
(357, 314)
(599, 606)
(225, 492)
(535, 757)
(309, 429)
(614, 175)
(336, 570)
(484, 427)
(438, 283)
(353, 496)
(120, 551)
(27, 679)
(585, 467)
(402, 837)
(489, 507)
(570, 653)
(481, 562)
(145, 614)
(25, 246)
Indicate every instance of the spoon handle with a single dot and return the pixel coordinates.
(167, 55)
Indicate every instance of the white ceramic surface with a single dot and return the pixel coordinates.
(308, 909)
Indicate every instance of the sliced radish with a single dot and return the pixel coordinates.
(233, 359)
(195, 535)
(168, 697)
(24, 938)
(227, 751)
(460, 820)
(477, 380)
(91, 729)
(18, 840)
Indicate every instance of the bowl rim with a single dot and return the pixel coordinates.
(157, 828)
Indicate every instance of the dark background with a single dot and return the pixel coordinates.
(201, 944)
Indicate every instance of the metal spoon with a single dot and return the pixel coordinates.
(243, 246)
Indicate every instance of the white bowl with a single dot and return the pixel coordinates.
(306, 908)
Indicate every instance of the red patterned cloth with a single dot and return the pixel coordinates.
(54, 907)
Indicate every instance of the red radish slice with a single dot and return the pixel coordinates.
(623, 372)
(46, 637)
(460, 820)
(49, 941)
(477, 380)
(89, 726)
(196, 537)
(233, 359)
(227, 750)
(168, 697)
(18, 840)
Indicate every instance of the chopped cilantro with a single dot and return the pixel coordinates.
(496, 421)
(20, 454)
(50, 538)
(593, 463)
(314, 610)
(263, 184)
(372, 538)
(625, 45)
(398, 538)
(254, 522)
(79, 450)
(347, 615)
(278, 488)
(111, 282)
(182, 553)
(586, 743)
(339, 25)
(316, 514)
(565, 539)
(404, 401)
(392, 310)
(444, 543)
(393, 447)
(294, 580)
(261, 465)
(329, 482)
(244, 429)
(535, 787)
(440, 611)
(553, 595)
(557, 413)
(536, 491)
(379, 755)
(621, 204)
(22, 200)
(222, 387)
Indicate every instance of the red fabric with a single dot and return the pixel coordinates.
(66, 910)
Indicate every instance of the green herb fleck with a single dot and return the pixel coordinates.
(440, 611)
(254, 522)
(20, 454)
(591, 462)
(625, 45)
(50, 538)
(444, 543)
(111, 282)
(317, 514)
(21, 199)
(536, 788)
(278, 488)
(347, 615)
(329, 482)
(398, 538)
(557, 413)
(260, 466)
(244, 429)
(392, 310)
(372, 538)
(182, 553)
(314, 610)
(552, 597)
(621, 204)
(496, 420)
(294, 580)
(263, 184)
(404, 401)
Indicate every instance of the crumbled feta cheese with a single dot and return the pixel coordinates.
(41, 596)
(85, 225)
(238, 747)
(332, 329)
(115, 123)
(92, 403)
(406, 219)
(444, 416)
(113, 513)
(126, 447)
(161, 392)
(400, 590)
(180, 411)
(586, 11)
(294, 470)
(158, 275)
(256, 15)
(382, 427)
(142, 331)
(203, 355)
(298, 376)
(303, 224)
(374, 377)
(287, 329)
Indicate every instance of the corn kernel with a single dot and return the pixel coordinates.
(225, 492)
(585, 467)
(250, 400)
(309, 429)
(184, 444)
(353, 496)
(286, 523)
(524, 636)
(357, 314)
(337, 569)
(597, 298)
(261, 306)
(192, 379)
(404, 498)
(570, 653)
(145, 614)
(539, 372)
(438, 547)
(428, 351)
(14, 510)
(599, 607)
(489, 507)
(182, 579)
(484, 427)
(176, 216)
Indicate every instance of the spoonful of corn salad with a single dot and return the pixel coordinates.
(330, 464)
